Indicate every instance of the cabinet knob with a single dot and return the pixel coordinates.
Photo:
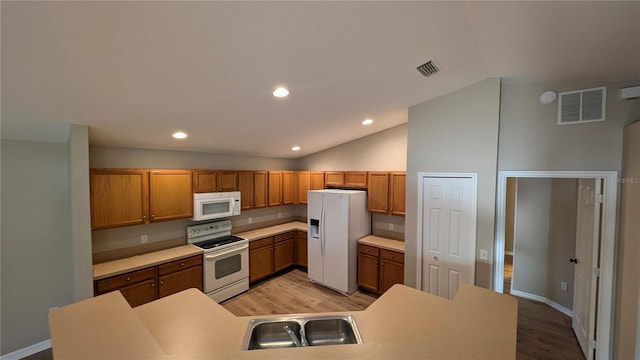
(435, 258)
(152, 216)
(161, 282)
(128, 279)
(144, 217)
(381, 264)
(153, 285)
(393, 256)
(181, 264)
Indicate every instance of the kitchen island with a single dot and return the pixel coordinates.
(404, 323)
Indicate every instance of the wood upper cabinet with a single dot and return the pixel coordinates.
(275, 188)
(288, 187)
(386, 192)
(215, 181)
(260, 190)
(334, 178)
(355, 179)
(170, 194)
(317, 180)
(303, 185)
(378, 192)
(119, 197)
(397, 191)
(245, 180)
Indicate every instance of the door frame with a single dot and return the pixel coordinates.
(474, 220)
(606, 288)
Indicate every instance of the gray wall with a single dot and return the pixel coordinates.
(510, 208)
(457, 132)
(562, 240)
(531, 236)
(382, 151)
(530, 138)
(80, 210)
(37, 261)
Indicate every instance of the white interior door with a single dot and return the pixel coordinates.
(448, 228)
(587, 243)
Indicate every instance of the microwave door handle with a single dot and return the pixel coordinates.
(213, 256)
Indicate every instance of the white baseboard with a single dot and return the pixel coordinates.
(29, 350)
(544, 300)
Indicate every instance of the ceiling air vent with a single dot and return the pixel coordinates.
(429, 68)
(576, 107)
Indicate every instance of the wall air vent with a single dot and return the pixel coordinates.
(429, 68)
(576, 107)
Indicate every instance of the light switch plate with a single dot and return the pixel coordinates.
(484, 254)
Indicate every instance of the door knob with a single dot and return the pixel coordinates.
(573, 260)
(435, 258)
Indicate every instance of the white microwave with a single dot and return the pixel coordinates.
(207, 206)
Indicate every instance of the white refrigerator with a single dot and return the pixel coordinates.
(336, 219)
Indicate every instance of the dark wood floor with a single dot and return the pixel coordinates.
(543, 332)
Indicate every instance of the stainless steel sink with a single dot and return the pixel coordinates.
(316, 331)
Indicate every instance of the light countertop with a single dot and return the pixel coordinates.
(403, 323)
(383, 243)
(117, 267)
(273, 230)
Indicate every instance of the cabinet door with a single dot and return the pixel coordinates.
(391, 273)
(171, 195)
(378, 192)
(228, 180)
(304, 184)
(355, 179)
(260, 189)
(334, 178)
(301, 248)
(317, 180)
(287, 187)
(260, 263)
(180, 280)
(368, 272)
(140, 293)
(118, 198)
(205, 181)
(275, 188)
(245, 179)
(397, 193)
(283, 255)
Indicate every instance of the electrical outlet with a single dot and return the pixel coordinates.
(144, 238)
(484, 254)
(249, 220)
(390, 226)
(279, 215)
(563, 286)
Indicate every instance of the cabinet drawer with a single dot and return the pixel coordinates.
(369, 250)
(286, 236)
(260, 243)
(127, 279)
(302, 235)
(180, 264)
(391, 255)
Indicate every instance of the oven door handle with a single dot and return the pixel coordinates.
(217, 255)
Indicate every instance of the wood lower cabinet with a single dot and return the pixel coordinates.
(379, 269)
(283, 246)
(260, 259)
(301, 249)
(142, 286)
(272, 254)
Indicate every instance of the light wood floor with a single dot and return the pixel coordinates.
(543, 332)
(292, 293)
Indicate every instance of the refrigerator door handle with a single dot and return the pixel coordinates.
(322, 232)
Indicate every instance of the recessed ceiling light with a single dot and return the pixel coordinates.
(280, 92)
(367, 122)
(296, 148)
(179, 135)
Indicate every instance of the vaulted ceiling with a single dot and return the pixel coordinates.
(135, 72)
